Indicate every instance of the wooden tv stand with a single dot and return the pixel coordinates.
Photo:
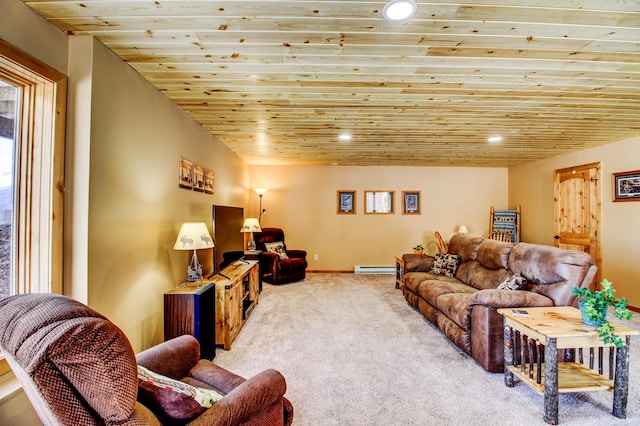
(236, 297)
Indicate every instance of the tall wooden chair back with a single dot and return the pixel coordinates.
(442, 245)
(503, 236)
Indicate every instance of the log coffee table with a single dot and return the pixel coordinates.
(532, 338)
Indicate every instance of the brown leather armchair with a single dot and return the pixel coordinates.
(277, 270)
(78, 368)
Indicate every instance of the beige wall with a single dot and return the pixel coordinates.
(127, 149)
(27, 31)
(302, 201)
(531, 186)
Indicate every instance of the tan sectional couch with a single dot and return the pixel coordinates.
(464, 307)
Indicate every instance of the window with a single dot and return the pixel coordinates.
(8, 105)
(32, 113)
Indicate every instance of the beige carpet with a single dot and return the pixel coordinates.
(355, 353)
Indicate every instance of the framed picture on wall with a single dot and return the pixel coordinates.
(410, 202)
(346, 203)
(626, 186)
(379, 202)
(185, 173)
(209, 181)
(198, 178)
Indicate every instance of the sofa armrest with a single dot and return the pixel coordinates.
(494, 298)
(173, 358)
(253, 396)
(417, 262)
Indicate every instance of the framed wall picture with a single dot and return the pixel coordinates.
(198, 178)
(346, 203)
(379, 202)
(626, 186)
(185, 173)
(411, 202)
(209, 181)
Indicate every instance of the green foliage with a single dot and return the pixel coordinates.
(596, 304)
(419, 247)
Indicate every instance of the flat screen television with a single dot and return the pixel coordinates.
(227, 222)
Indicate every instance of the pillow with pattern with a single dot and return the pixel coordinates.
(445, 264)
(514, 282)
(173, 398)
(277, 248)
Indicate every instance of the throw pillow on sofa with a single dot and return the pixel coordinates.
(277, 248)
(175, 399)
(514, 282)
(445, 264)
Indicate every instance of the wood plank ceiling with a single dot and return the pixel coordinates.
(279, 81)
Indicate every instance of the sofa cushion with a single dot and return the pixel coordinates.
(430, 290)
(465, 246)
(494, 298)
(552, 271)
(482, 278)
(494, 254)
(513, 282)
(462, 274)
(412, 280)
(445, 264)
(292, 265)
(455, 306)
(173, 398)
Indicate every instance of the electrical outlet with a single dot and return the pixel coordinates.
(315, 257)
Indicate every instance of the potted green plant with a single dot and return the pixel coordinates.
(419, 249)
(594, 306)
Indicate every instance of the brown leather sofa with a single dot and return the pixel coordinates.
(464, 307)
(78, 368)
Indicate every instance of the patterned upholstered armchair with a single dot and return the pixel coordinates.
(278, 264)
(78, 368)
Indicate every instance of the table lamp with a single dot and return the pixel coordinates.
(193, 236)
(251, 225)
(463, 229)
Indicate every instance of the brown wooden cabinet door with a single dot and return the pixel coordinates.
(235, 310)
(577, 210)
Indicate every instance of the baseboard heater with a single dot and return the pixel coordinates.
(360, 269)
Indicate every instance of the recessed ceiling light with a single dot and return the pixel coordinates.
(345, 137)
(399, 10)
(495, 139)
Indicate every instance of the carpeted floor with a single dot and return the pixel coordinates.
(354, 352)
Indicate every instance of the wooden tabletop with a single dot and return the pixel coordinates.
(557, 322)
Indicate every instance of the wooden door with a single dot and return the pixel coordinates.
(577, 210)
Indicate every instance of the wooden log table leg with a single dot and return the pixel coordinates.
(508, 355)
(551, 381)
(621, 382)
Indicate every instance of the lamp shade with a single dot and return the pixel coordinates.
(261, 191)
(251, 224)
(462, 230)
(193, 236)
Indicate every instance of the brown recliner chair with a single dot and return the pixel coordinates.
(78, 368)
(274, 268)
